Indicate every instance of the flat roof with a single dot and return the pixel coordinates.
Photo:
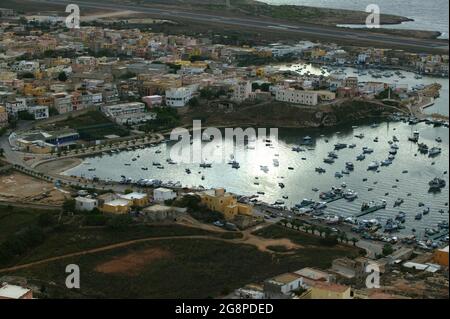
(12, 291)
(118, 202)
(285, 278)
(131, 196)
(312, 273)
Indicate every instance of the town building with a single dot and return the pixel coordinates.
(327, 290)
(220, 201)
(159, 213)
(282, 286)
(163, 194)
(242, 91)
(179, 97)
(297, 96)
(441, 256)
(128, 113)
(85, 204)
(136, 199)
(39, 112)
(8, 291)
(152, 101)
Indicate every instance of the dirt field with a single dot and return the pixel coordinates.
(132, 264)
(21, 188)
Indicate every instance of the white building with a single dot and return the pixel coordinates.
(40, 112)
(128, 113)
(242, 91)
(179, 97)
(297, 96)
(85, 204)
(14, 107)
(163, 194)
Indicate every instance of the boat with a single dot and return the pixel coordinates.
(367, 150)
(386, 162)
(437, 184)
(320, 170)
(352, 145)
(340, 146)
(395, 139)
(332, 155)
(338, 175)
(401, 217)
(373, 165)
(414, 137)
(305, 203)
(360, 157)
(423, 148)
(350, 166)
(418, 216)
(264, 168)
(367, 208)
(91, 169)
(307, 140)
(375, 139)
(360, 135)
(434, 151)
(205, 165)
(276, 163)
(281, 185)
(235, 165)
(438, 139)
(398, 202)
(350, 195)
(391, 157)
(426, 211)
(188, 171)
(328, 160)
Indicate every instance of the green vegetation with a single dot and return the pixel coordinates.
(187, 268)
(387, 250)
(93, 125)
(25, 116)
(209, 93)
(387, 94)
(197, 210)
(62, 76)
(166, 118)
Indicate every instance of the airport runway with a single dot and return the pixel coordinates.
(321, 32)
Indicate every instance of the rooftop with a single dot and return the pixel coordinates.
(12, 291)
(285, 278)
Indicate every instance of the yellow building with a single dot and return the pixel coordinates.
(441, 256)
(136, 199)
(116, 206)
(325, 290)
(3, 117)
(220, 201)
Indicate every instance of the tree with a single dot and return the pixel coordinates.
(69, 205)
(387, 249)
(119, 222)
(62, 76)
(354, 240)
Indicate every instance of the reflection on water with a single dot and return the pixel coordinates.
(296, 170)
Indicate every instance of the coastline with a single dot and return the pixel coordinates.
(59, 166)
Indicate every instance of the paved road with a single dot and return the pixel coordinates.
(318, 31)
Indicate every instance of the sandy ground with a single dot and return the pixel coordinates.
(24, 189)
(59, 166)
(131, 264)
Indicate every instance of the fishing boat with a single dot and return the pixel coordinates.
(398, 202)
(418, 216)
(332, 155)
(386, 162)
(438, 139)
(350, 195)
(437, 184)
(360, 157)
(367, 150)
(373, 165)
(320, 170)
(328, 160)
(434, 151)
(350, 166)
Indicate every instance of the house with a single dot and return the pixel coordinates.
(282, 286)
(152, 101)
(136, 199)
(220, 201)
(39, 112)
(116, 206)
(313, 275)
(297, 96)
(326, 290)
(163, 194)
(242, 91)
(128, 113)
(8, 291)
(179, 97)
(85, 204)
(158, 213)
(441, 256)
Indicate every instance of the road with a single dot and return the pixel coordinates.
(311, 31)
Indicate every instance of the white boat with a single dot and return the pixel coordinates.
(386, 162)
(276, 163)
(373, 165)
(434, 151)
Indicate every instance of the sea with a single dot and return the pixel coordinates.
(407, 178)
(429, 15)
